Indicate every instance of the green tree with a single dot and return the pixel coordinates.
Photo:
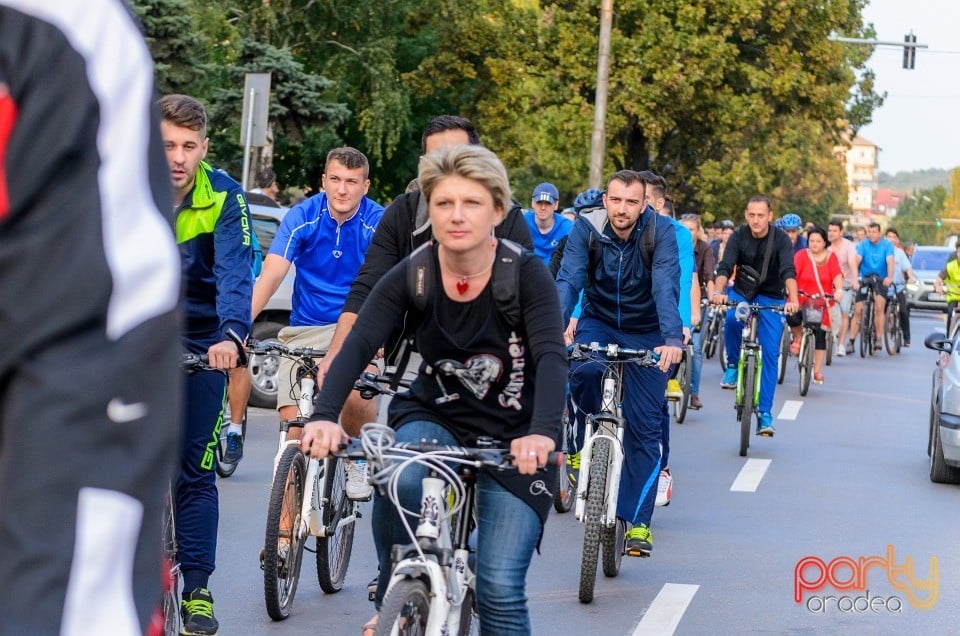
(917, 217)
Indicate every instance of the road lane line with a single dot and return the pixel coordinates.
(750, 475)
(664, 614)
(790, 410)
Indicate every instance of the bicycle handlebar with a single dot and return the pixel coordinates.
(258, 347)
(490, 457)
(193, 362)
(613, 352)
(370, 384)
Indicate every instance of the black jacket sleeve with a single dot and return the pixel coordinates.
(514, 228)
(387, 248)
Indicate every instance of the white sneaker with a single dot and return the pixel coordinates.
(357, 487)
(841, 351)
(664, 488)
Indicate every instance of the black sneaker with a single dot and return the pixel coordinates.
(196, 610)
(850, 347)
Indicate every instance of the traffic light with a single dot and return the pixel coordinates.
(909, 52)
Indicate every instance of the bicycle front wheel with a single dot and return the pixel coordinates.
(596, 495)
(282, 545)
(405, 610)
(171, 585)
(334, 549)
(891, 327)
(805, 364)
(748, 388)
(684, 376)
(784, 354)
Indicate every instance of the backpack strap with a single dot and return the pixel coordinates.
(648, 241)
(421, 276)
(506, 281)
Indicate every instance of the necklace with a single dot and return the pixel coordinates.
(463, 280)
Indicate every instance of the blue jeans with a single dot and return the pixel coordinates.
(697, 367)
(643, 401)
(769, 329)
(508, 532)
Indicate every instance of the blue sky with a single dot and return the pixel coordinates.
(919, 124)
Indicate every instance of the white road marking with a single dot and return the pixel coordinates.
(750, 475)
(790, 410)
(664, 614)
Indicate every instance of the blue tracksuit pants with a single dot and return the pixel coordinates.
(769, 329)
(642, 403)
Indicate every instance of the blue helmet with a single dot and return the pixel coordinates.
(591, 198)
(789, 222)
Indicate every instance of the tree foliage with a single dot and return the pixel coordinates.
(917, 217)
(725, 98)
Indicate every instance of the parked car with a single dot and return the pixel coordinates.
(943, 441)
(927, 262)
(266, 216)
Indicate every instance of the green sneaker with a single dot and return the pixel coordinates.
(197, 613)
(573, 466)
(639, 541)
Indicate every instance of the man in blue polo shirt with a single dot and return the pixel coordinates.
(875, 260)
(325, 237)
(547, 226)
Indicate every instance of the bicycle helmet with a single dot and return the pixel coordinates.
(790, 222)
(588, 199)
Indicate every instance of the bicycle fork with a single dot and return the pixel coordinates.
(609, 426)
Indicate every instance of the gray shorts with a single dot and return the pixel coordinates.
(316, 337)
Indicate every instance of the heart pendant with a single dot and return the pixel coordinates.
(462, 286)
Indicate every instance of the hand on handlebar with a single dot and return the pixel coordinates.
(530, 452)
(668, 356)
(223, 355)
(791, 307)
(320, 438)
(718, 299)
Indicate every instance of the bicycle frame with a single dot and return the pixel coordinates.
(749, 346)
(608, 424)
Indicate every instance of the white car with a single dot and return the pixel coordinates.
(943, 442)
(276, 314)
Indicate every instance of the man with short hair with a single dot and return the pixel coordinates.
(326, 238)
(629, 303)
(267, 184)
(404, 227)
(902, 274)
(875, 264)
(747, 247)
(846, 253)
(213, 230)
(547, 226)
(655, 195)
(724, 229)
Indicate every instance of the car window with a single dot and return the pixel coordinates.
(930, 260)
(266, 228)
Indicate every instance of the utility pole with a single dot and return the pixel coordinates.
(909, 46)
(599, 138)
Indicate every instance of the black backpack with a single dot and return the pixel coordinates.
(647, 243)
(421, 281)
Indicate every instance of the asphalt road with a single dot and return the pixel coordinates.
(845, 477)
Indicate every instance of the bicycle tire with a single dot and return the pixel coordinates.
(684, 376)
(406, 607)
(864, 333)
(596, 495)
(566, 490)
(831, 344)
(711, 336)
(281, 575)
(784, 354)
(722, 351)
(891, 325)
(469, 617)
(613, 541)
(805, 363)
(333, 551)
(749, 375)
(170, 604)
(225, 469)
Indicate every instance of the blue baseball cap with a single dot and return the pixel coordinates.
(546, 192)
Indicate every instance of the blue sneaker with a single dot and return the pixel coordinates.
(729, 380)
(234, 449)
(765, 424)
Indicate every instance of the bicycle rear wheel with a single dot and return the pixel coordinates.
(831, 343)
(865, 330)
(170, 605)
(225, 469)
(891, 328)
(406, 608)
(596, 494)
(805, 364)
(566, 489)
(711, 335)
(748, 389)
(722, 351)
(334, 549)
(684, 375)
(282, 547)
(613, 538)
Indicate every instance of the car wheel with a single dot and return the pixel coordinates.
(940, 472)
(264, 370)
